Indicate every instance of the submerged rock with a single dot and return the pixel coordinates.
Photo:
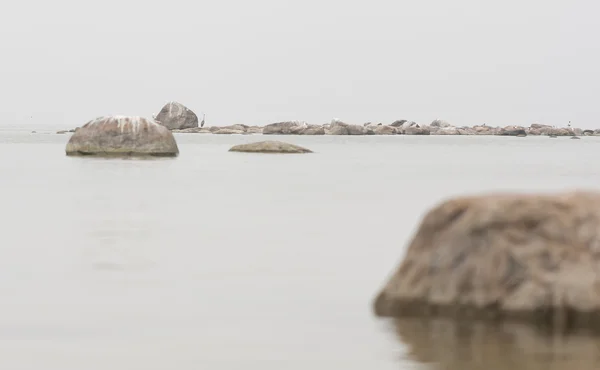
(176, 116)
(122, 136)
(269, 147)
(503, 256)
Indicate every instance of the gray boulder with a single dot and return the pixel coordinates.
(416, 130)
(337, 127)
(398, 123)
(122, 136)
(284, 128)
(176, 116)
(523, 257)
(513, 131)
(269, 147)
(440, 123)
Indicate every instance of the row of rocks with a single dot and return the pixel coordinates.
(180, 119)
(403, 127)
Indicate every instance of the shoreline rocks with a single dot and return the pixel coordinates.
(181, 120)
(527, 257)
(122, 136)
(269, 147)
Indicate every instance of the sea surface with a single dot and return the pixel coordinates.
(218, 260)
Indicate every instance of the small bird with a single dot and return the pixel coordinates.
(203, 118)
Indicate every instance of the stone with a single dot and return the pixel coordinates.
(338, 127)
(176, 116)
(312, 130)
(229, 131)
(283, 128)
(193, 130)
(122, 136)
(440, 123)
(254, 130)
(416, 130)
(269, 147)
(529, 257)
(552, 131)
(398, 123)
(513, 131)
(381, 130)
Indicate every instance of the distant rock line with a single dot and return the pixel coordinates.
(180, 119)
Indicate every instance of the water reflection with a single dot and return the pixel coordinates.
(448, 345)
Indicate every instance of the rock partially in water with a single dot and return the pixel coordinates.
(269, 147)
(381, 130)
(513, 131)
(337, 127)
(229, 131)
(416, 130)
(193, 130)
(440, 123)
(312, 130)
(176, 116)
(506, 256)
(398, 123)
(122, 136)
(575, 138)
(284, 128)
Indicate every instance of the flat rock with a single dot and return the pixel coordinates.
(176, 116)
(269, 147)
(534, 258)
(122, 136)
(229, 131)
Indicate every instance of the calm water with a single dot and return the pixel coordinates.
(218, 260)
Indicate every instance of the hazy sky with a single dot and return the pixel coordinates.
(255, 62)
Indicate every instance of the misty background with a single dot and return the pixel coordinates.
(65, 62)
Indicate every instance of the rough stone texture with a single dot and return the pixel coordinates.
(312, 130)
(416, 130)
(229, 131)
(122, 136)
(193, 130)
(551, 131)
(513, 131)
(381, 130)
(269, 147)
(176, 116)
(254, 130)
(340, 128)
(398, 123)
(529, 257)
(283, 128)
(440, 123)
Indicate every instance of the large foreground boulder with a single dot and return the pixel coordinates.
(269, 147)
(176, 116)
(528, 257)
(122, 136)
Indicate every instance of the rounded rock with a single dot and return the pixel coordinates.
(122, 136)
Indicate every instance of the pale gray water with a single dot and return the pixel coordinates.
(218, 260)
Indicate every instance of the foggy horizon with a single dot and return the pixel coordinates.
(467, 62)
